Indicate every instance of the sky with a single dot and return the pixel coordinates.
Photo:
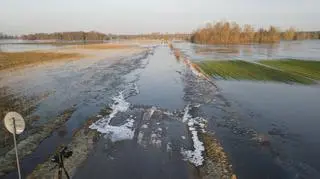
(144, 16)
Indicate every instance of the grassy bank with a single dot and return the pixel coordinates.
(310, 69)
(16, 59)
(241, 70)
(217, 163)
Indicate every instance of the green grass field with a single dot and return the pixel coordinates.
(309, 69)
(241, 70)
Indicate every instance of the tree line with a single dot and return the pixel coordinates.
(67, 36)
(232, 33)
(158, 36)
(81, 36)
(5, 36)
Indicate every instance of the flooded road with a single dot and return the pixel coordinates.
(158, 133)
(161, 110)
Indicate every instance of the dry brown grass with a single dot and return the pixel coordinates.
(104, 46)
(16, 59)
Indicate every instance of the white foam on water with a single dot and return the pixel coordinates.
(168, 113)
(194, 156)
(118, 133)
(122, 132)
(186, 115)
(119, 105)
(197, 105)
(144, 126)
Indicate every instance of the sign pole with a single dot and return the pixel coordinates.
(15, 124)
(15, 146)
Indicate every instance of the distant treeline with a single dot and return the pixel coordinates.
(232, 33)
(68, 36)
(158, 35)
(4, 36)
(101, 36)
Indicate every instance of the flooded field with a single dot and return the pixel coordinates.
(148, 114)
(269, 128)
(307, 49)
(272, 134)
(23, 45)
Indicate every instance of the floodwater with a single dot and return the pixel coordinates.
(271, 131)
(157, 107)
(23, 45)
(268, 130)
(305, 50)
(86, 84)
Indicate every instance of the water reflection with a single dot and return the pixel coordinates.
(23, 45)
(307, 49)
(285, 116)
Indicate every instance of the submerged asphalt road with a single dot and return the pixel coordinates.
(161, 100)
(151, 146)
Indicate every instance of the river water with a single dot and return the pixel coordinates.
(268, 130)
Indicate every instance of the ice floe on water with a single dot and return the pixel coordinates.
(144, 126)
(186, 115)
(118, 133)
(124, 131)
(119, 105)
(194, 156)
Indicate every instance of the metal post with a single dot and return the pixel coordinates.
(15, 146)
